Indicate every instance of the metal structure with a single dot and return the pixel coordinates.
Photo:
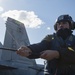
(10, 62)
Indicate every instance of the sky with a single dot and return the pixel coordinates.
(38, 16)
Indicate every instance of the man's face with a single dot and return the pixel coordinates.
(62, 25)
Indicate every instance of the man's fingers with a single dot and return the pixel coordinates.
(43, 54)
(24, 51)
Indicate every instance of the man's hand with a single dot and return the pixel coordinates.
(24, 51)
(49, 54)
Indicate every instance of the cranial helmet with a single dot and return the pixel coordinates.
(64, 18)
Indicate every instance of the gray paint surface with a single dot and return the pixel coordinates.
(10, 62)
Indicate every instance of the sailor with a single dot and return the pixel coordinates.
(57, 48)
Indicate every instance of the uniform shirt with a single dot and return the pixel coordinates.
(66, 48)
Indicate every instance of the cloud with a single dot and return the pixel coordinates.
(1, 9)
(48, 28)
(29, 18)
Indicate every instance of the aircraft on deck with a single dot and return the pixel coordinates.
(10, 62)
